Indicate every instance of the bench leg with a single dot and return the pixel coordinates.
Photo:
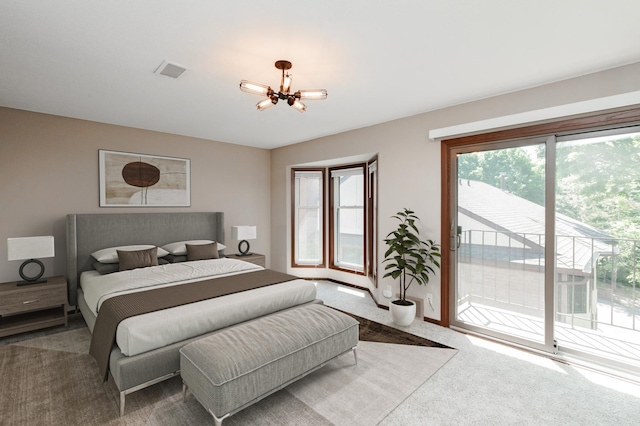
(355, 354)
(218, 420)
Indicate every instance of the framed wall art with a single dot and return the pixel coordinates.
(140, 180)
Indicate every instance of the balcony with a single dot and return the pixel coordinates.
(597, 293)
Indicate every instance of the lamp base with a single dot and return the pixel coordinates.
(32, 279)
(243, 254)
(21, 283)
(245, 251)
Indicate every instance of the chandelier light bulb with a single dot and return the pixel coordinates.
(286, 84)
(265, 104)
(299, 106)
(254, 88)
(313, 94)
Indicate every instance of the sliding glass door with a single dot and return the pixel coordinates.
(545, 242)
(500, 228)
(598, 245)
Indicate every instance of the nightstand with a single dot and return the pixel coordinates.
(32, 307)
(255, 258)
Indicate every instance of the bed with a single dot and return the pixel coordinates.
(135, 360)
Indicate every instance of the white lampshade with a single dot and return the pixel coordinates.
(30, 248)
(243, 232)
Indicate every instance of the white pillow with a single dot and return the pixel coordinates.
(180, 248)
(110, 255)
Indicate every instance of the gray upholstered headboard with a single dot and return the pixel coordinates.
(87, 233)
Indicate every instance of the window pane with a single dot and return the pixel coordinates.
(309, 242)
(598, 243)
(500, 262)
(350, 237)
(307, 218)
(351, 190)
(309, 190)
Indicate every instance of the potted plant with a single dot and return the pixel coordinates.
(410, 259)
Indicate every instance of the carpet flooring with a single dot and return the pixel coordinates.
(489, 383)
(51, 380)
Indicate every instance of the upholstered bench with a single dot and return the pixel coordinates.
(238, 366)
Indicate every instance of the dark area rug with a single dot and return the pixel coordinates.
(371, 331)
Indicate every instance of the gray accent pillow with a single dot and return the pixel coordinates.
(110, 254)
(202, 251)
(106, 268)
(110, 268)
(180, 248)
(174, 258)
(138, 258)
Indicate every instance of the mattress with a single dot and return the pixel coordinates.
(146, 332)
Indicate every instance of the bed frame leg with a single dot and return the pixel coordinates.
(355, 354)
(122, 398)
(184, 392)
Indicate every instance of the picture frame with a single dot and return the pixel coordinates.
(140, 180)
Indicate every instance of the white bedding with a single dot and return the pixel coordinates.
(142, 333)
(97, 288)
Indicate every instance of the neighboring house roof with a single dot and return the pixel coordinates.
(577, 243)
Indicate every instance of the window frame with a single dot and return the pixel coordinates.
(332, 219)
(371, 225)
(294, 227)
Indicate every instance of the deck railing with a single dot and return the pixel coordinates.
(596, 279)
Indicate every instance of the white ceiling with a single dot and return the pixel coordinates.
(379, 60)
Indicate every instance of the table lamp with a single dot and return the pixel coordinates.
(243, 233)
(30, 248)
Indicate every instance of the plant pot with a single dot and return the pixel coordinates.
(402, 315)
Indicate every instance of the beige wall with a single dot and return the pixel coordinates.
(49, 168)
(409, 163)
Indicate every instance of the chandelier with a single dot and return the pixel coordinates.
(293, 99)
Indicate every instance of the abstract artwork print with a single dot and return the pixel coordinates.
(139, 180)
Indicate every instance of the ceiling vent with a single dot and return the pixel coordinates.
(169, 69)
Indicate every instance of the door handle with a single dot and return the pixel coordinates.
(456, 239)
